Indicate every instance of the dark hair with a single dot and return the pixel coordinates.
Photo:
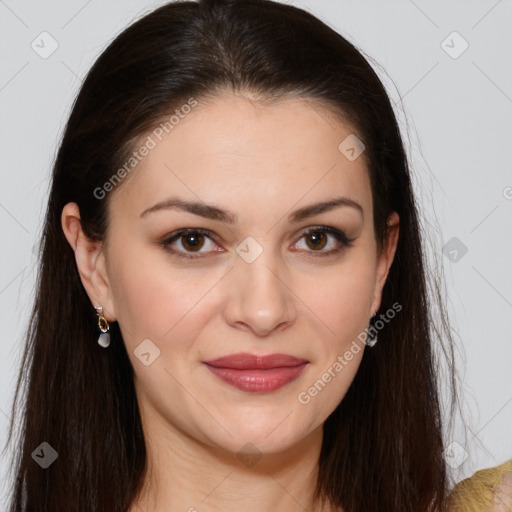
(383, 445)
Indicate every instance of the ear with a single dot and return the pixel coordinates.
(385, 259)
(90, 261)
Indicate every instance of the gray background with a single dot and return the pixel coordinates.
(455, 117)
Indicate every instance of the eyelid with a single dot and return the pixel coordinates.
(176, 235)
(343, 240)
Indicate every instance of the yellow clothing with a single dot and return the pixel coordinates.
(488, 490)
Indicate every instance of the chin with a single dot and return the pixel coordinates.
(258, 445)
(266, 437)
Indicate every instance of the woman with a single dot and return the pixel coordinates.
(231, 218)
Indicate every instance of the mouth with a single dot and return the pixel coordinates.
(253, 373)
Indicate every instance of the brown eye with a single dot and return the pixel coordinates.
(318, 239)
(188, 243)
(192, 241)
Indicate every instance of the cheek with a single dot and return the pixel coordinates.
(151, 297)
(341, 296)
(168, 304)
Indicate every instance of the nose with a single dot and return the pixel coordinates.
(260, 300)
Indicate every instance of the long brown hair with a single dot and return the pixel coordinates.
(383, 446)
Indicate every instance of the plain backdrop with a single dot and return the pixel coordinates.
(449, 62)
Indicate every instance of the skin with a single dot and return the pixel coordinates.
(502, 500)
(261, 163)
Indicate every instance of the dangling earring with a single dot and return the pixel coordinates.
(104, 338)
(371, 341)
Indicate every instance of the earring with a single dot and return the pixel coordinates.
(104, 338)
(371, 341)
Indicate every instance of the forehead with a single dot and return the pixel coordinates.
(250, 156)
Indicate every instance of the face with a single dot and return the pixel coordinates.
(258, 273)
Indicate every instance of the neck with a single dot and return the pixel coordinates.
(185, 474)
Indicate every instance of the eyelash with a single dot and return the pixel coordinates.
(339, 235)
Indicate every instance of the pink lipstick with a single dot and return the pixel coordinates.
(253, 373)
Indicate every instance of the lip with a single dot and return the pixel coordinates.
(254, 373)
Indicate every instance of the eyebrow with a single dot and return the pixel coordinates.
(214, 213)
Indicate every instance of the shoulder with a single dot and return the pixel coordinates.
(488, 490)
